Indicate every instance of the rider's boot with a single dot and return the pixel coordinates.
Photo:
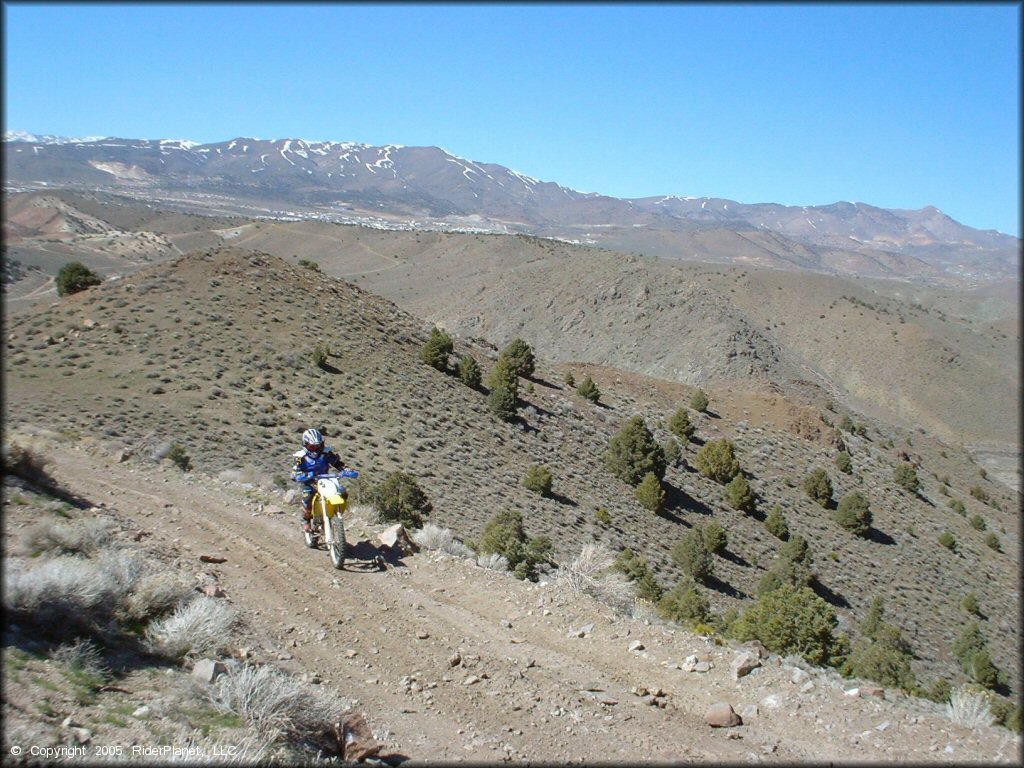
(307, 517)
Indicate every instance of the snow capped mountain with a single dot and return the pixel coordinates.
(46, 139)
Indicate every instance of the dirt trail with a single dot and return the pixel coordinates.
(524, 688)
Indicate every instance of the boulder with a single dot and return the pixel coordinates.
(872, 691)
(721, 715)
(756, 646)
(689, 663)
(744, 664)
(636, 645)
(396, 537)
(208, 670)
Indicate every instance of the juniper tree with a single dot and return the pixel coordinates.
(588, 389)
(435, 352)
(681, 426)
(717, 460)
(520, 357)
(504, 395)
(633, 452)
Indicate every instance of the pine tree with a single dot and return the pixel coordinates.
(650, 494)
(520, 357)
(503, 398)
(681, 426)
(633, 452)
(435, 352)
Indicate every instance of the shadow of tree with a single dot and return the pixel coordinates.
(880, 537)
(563, 500)
(678, 499)
(715, 583)
(826, 594)
(732, 557)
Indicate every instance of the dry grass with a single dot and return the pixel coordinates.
(202, 626)
(969, 708)
(493, 561)
(433, 537)
(157, 594)
(72, 587)
(84, 536)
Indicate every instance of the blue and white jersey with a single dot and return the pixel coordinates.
(307, 466)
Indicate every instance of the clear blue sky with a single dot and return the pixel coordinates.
(899, 106)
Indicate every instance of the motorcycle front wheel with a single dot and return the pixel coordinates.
(334, 533)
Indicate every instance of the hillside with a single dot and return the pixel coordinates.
(210, 351)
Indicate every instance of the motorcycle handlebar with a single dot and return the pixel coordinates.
(343, 473)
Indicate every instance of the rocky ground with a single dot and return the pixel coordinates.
(447, 661)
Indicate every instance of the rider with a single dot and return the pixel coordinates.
(311, 461)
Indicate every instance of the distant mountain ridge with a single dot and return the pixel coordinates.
(424, 185)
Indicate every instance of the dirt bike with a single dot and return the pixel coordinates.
(329, 503)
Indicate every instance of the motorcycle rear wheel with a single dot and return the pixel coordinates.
(310, 536)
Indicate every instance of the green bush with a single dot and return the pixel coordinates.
(715, 538)
(632, 453)
(992, 542)
(939, 691)
(905, 477)
(818, 486)
(679, 424)
(399, 499)
(791, 620)
(435, 352)
(717, 461)
(179, 457)
(846, 423)
(650, 494)
(739, 494)
(854, 513)
(978, 523)
(699, 401)
(970, 604)
(958, 506)
(307, 264)
(776, 523)
(538, 479)
(469, 372)
(673, 453)
(320, 354)
(588, 389)
(882, 654)
(74, 277)
(796, 550)
(948, 540)
(685, 604)
(979, 493)
(520, 357)
(843, 463)
(1005, 713)
(28, 465)
(505, 535)
(603, 516)
(503, 399)
(786, 572)
(971, 649)
(692, 556)
(570, 380)
(647, 588)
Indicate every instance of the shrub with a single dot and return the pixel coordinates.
(939, 691)
(679, 424)
(493, 561)
(979, 493)
(320, 354)
(717, 461)
(503, 398)
(650, 494)
(905, 477)
(978, 523)
(505, 535)
(588, 389)
(948, 540)
(685, 604)
(28, 465)
(469, 372)
(786, 572)
(739, 494)
(970, 604)
(399, 499)
(603, 516)
(958, 506)
(969, 708)
(846, 423)
(791, 620)
(796, 550)
(776, 523)
(818, 486)
(673, 453)
(435, 352)
(854, 513)
(692, 556)
(699, 401)
(74, 277)
(632, 453)
(582, 573)
(179, 457)
(520, 358)
(636, 569)
(971, 650)
(570, 380)
(202, 626)
(538, 479)
(992, 542)
(881, 654)
(715, 538)
(843, 463)
(69, 538)
(157, 594)
(1004, 712)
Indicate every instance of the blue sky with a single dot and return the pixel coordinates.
(899, 106)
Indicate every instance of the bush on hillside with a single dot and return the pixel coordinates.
(570, 380)
(650, 494)
(843, 463)
(715, 538)
(882, 654)
(505, 535)
(179, 457)
(818, 487)
(28, 465)
(520, 358)
(74, 277)
(673, 453)
(854, 513)
(635, 568)
(947, 540)
(435, 352)
(680, 425)
(469, 372)
(776, 523)
(970, 604)
(905, 477)
(992, 542)
(588, 389)
(791, 620)
(699, 401)
(978, 522)
(632, 453)
(399, 499)
(970, 649)
(503, 399)
(692, 556)
(538, 479)
(685, 604)
(320, 354)
(958, 506)
(717, 461)
(739, 494)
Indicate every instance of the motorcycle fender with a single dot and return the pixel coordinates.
(337, 501)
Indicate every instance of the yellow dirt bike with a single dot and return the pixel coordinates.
(329, 504)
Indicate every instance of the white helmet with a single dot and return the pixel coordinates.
(313, 440)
